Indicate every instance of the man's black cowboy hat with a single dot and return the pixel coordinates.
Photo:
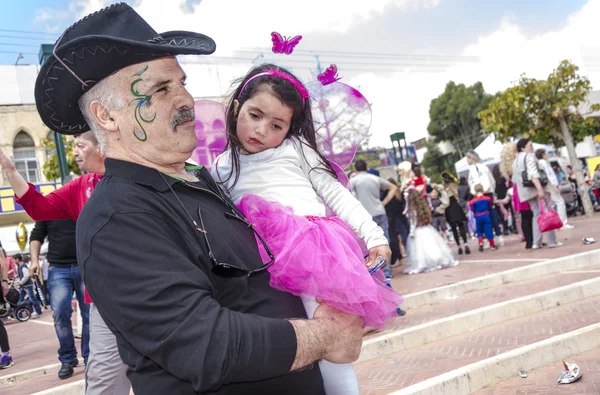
(94, 48)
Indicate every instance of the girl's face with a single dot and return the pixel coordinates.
(434, 194)
(529, 147)
(263, 122)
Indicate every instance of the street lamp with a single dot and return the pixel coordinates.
(397, 138)
(19, 58)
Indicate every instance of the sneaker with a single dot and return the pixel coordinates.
(558, 244)
(589, 240)
(467, 250)
(493, 248)
(499, 241)
(400, 312)
(66, 370)
(535, 247)
(460, 251)
(567, 226)
(6, 362)
(35, 315)
(480, 247)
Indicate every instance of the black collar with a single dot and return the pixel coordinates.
(148, 176)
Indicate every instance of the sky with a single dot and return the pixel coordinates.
(399, 53)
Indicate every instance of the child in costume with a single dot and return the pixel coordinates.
(481, 206)
(273, 170)
(427, 251)
(439, 203)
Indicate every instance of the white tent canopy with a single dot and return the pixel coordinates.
(489, 151)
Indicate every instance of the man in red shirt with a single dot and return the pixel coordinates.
(104, 369)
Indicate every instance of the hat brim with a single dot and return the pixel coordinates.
(93, 58)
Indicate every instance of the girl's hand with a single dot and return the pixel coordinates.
(374, 252)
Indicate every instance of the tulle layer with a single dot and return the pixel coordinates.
(323, 258)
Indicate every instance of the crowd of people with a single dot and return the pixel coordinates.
(233, 281)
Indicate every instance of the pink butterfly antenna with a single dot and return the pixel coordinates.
(284, 45)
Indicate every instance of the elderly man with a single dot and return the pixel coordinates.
(172, 266)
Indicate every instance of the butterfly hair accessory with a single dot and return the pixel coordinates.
(283, 44)
(329, 76)
(278, 73)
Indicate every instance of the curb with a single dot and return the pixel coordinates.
(74, 388)
(476, 319)
(31, 373)
(493, 370)
(452, 291)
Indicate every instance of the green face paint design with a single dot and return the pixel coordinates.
(143, 101)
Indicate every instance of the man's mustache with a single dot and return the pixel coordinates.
(182, 116)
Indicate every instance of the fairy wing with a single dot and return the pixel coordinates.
(342, 117)
(210, 130)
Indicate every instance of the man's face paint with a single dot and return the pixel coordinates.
(143, 103)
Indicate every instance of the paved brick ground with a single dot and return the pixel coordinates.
(396, 371)
(34, 344)
(488, 297)
(543, 381)
(512, 255)
(41, 383)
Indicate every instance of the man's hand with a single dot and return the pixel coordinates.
(345, 334)
(377, 251)
(35, 266)
(5, 162)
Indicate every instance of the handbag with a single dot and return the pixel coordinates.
(527, 182)
(548, 219)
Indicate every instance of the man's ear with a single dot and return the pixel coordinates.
(103, 116)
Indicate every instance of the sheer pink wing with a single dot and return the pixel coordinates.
(210, 130)
(342, 117)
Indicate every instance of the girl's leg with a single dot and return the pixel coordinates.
(338, 379)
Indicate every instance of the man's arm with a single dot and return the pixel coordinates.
(59, 204)
(391, 188)
(38, 235)
(170, 302)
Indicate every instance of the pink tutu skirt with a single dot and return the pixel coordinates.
(323, 258)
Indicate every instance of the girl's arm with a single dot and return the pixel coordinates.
(338, 198)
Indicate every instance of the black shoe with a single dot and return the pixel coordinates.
(467, 250)
(66, 370)
(480, 247)
(400, 312)
(460, 251)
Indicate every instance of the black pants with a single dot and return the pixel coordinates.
(527, 227)
(4, 346)
(456, 228)
(394, 243)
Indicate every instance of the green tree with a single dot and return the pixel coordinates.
(434, 162)
(453, 115)
(547, 111)
(50, 169)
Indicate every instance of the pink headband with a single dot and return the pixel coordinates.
(277, 73)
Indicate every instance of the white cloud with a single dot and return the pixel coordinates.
(400, 101)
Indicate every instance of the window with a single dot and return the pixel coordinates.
(24, 157)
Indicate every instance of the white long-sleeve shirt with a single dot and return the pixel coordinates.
(289, 175)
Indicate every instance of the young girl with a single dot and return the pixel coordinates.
(427, 251)
(438, 210)
(274, 172)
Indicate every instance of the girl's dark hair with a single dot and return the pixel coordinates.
(302, 124)
(521, 144)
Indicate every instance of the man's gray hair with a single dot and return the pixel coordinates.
(107, 95)
(474, 156)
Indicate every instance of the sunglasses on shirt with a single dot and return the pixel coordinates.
(223, 269)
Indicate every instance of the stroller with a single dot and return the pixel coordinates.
(11, 309)
(569, 194)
